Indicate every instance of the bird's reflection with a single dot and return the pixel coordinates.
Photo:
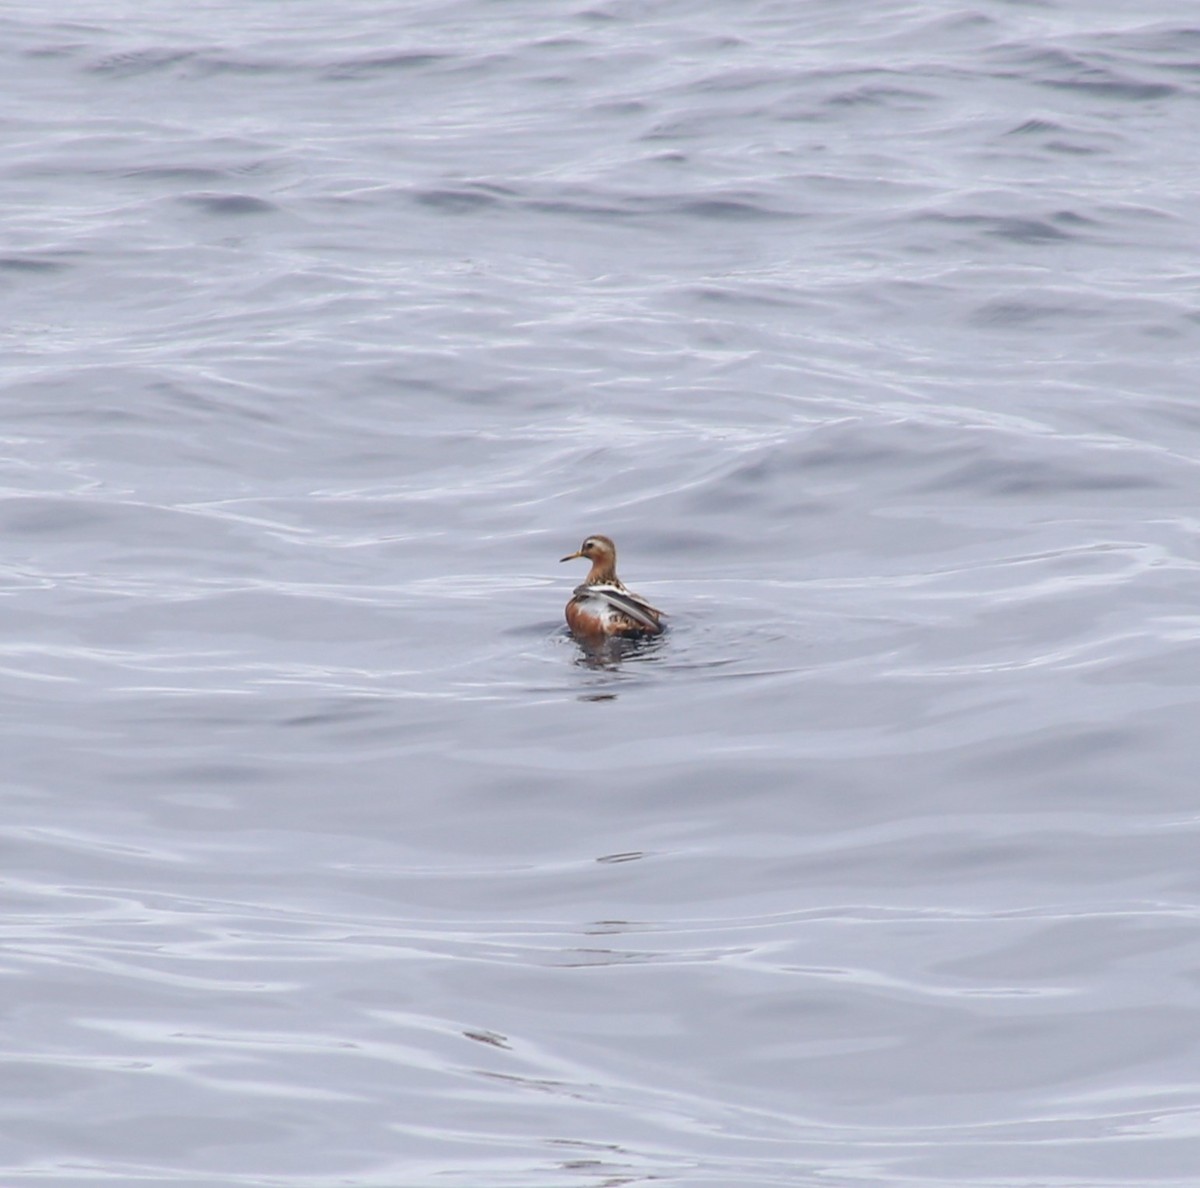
(610, 653)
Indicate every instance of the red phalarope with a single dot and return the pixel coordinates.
(602, 605)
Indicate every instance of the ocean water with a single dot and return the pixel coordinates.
(871, 333)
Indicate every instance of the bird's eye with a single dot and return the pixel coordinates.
(588, 544)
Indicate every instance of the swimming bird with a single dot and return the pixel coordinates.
(602, 605)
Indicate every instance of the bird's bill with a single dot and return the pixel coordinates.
(570, 557)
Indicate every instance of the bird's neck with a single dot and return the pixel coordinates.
(603, 573)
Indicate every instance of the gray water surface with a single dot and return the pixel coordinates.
(869, 332)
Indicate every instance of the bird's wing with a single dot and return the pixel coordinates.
(628, 603)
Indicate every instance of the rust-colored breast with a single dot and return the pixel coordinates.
(583, 621)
